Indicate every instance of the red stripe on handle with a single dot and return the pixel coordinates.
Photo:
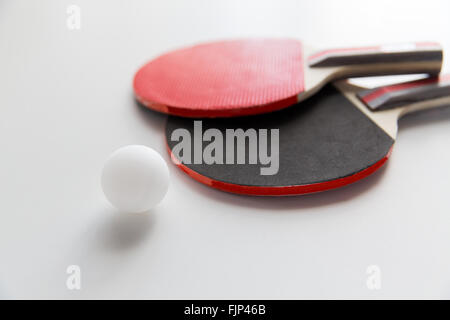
(402, 86)
(427, 44)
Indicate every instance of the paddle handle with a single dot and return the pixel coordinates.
(406, 58)
(414, 95)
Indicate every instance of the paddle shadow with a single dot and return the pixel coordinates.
(156, 121)
(424, 118)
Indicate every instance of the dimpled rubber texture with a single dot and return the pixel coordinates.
(324, 144)
(223, 79)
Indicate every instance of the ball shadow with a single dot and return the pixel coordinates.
(120, 231)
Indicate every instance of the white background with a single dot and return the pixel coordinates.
(66, 103)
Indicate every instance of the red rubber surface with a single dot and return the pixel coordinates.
(220, 79)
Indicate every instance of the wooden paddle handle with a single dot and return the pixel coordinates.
(425, 91)
(419, 57)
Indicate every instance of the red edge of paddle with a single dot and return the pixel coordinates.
(281, 191)
(244, 111)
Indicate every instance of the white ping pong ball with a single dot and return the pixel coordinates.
(135, 178)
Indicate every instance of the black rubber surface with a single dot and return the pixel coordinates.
(321, 139)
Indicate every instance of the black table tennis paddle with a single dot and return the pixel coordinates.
(339, 136)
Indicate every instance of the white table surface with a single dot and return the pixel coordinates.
(66, 103)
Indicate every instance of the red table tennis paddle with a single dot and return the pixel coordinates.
(338, 136)
(247, 77)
